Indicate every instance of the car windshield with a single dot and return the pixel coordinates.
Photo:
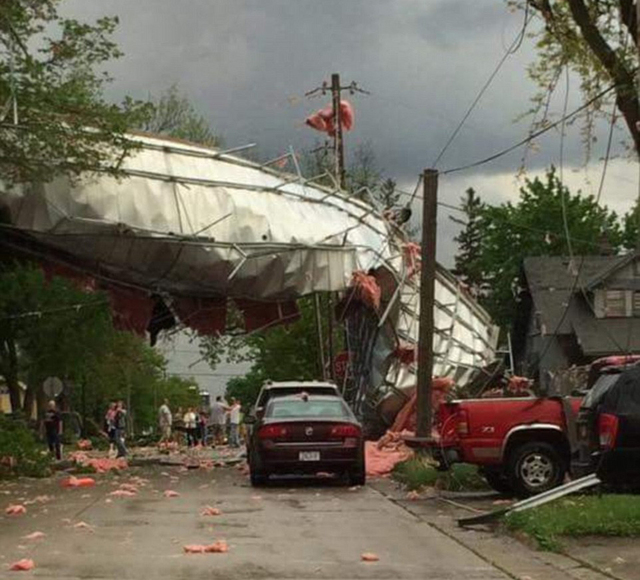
(310, 408)
(599, 389)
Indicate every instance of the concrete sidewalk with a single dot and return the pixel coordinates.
(586, 559)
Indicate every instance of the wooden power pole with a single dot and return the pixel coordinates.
(338, 143)
(638, 129)
(427, 300)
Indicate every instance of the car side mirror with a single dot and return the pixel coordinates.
(250, 419)
(259, 412)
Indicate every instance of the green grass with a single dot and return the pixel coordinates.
(607, 515)
(419, 472)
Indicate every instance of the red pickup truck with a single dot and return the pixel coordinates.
(522, 445)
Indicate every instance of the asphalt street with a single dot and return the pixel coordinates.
(290, 529)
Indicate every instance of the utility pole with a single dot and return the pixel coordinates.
(427, 300)
(338, 142)
(321, 359)
(638, 129)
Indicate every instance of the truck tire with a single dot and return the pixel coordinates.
(497, 480)
(535, 467)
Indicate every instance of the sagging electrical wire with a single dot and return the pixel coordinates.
(513, 48)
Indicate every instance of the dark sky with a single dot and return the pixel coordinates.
(246, 65)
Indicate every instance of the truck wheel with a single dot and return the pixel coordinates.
(497, 480)
(535, 467)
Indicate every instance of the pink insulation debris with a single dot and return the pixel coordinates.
(210, 511)
(218, 547)
(323, 120)
(15, 510)
(78, 482)
(383, 455)
(122, 493)
(366, 289)
(23, 565)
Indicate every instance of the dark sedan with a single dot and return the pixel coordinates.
(307, 434)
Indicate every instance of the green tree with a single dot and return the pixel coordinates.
(469, 241)
(596, 40)
(175, 116)
(534, 226)
(278, 353)
(631, 223)
(47, 328)
(53, 117)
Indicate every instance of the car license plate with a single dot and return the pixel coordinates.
(309, 456)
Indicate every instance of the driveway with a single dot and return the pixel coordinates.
(290, 529)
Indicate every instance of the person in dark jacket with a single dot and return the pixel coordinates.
(120, 423)
(53, 429)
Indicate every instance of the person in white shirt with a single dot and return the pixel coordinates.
(165, 420)
(218, 420)
(234, 423)
(191, 426)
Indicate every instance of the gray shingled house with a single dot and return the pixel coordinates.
(574, 311)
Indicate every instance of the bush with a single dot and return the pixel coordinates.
(20, 451)
(419, 472)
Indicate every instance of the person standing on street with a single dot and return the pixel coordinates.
(53, 429)
(165, 420)
(191, 426)
(120, 422)
(234, 423)
(218, 420)
(110, 427)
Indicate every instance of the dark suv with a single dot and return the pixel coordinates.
(272, 389)
(608, 427)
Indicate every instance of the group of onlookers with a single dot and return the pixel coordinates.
(222, 420)
(194, 425)
(115, 426)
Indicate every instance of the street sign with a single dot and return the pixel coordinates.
(341, 365)
(52, 387)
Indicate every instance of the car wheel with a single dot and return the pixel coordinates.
(257, 475)
(535, 467)
(497, 480)
(357, 475)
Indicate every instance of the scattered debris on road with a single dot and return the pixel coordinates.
(15, 510)
(218, 547)
(210, 511)
(369, 557)
(78, 482)
(23, 565)
(171, 493)
(123, 493)
(34, 536)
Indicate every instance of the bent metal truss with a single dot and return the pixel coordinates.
(195, 227)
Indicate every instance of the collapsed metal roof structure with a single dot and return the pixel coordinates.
(192, 227)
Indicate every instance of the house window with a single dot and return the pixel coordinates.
(636, 303)
(614, 303)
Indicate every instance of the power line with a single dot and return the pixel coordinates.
(40, 313)
(533, 135)
(515, 45)
(508, 222)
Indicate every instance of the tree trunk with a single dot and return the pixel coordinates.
(9, 359)
(626, 96)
